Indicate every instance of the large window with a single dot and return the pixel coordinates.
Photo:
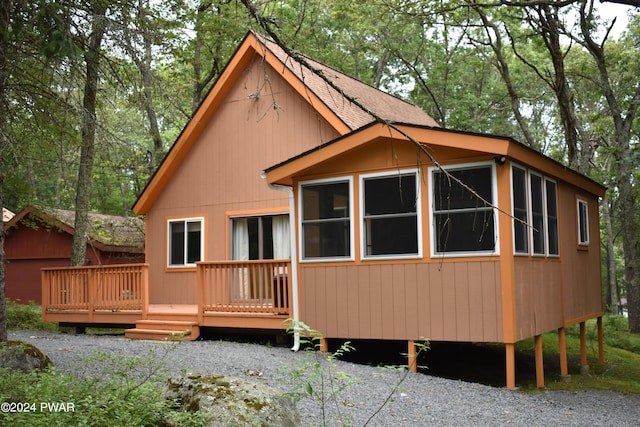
(583, 223)
(520, 210)
(390, 205)
(535, 213)
(261, 237)
(462, 201)
(185, 242)
(326, 219)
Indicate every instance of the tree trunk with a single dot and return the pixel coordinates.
(612, 283)
(88, 127)
(629, 230)
(5, 13)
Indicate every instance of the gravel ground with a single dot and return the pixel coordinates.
(420, 400)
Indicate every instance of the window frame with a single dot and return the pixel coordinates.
(543, 230)
(496, 220)
(544, 181)
(583, 243)
(547, 216)
(301, 221)
(185, 221)
(527, 209)
(418, 214)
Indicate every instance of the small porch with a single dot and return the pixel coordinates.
(231, 294)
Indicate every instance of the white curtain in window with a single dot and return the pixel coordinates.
(281, 236)
(240, 252)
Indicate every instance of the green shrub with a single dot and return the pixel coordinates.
(108, 391)
(27, 317)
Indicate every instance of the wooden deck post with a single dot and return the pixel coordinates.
(200, 279)
(91, 292)
(412, 356)
(584, 366)
(562, 345)
(145, 291)
(324, 345)
(539, 361)
(46, 291)
(511, 365)
(600, 342)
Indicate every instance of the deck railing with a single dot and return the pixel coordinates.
(245, 287)
(95, 288)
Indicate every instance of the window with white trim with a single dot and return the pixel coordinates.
(325, 207)
(185, 237)
(583, 223)
(463, 216)
(535, 213)
(390, 214)
(551, 194)
(520, 210)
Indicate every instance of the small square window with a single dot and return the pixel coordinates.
(185, 242)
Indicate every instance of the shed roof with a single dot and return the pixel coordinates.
(107, 232)
(333, 104)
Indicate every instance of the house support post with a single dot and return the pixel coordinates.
(539, 361)
(600, 342)
(412, 356)
(562, 345)
(510, 351)
(584, 366)
(324, 345)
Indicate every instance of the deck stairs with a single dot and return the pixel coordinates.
(165, 328)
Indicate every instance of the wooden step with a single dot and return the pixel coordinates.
(164, 330)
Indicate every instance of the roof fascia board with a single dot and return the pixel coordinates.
(490, 144)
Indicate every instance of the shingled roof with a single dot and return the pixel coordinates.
(385, 106)
(111, 232)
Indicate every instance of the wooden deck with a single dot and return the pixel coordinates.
(247, 294)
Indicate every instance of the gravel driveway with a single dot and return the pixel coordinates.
(420, 400)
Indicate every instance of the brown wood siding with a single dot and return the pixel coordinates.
(222, 171)
(581, 266)
(440, 301)
(538, 290)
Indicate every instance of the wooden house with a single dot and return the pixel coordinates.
(40, 238)
(296, 191)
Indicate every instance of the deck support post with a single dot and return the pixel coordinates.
(600, 342)
(412, 356)
(324, 345)
(511, 365)
(539, 361)
(562, 346)
(584, 366)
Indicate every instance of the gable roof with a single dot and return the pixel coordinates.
(331, 104)
(109, 233)
(493, 145)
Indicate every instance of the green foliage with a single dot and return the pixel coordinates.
(123, 392)
(27, 317)
(317, 377)
(616, 333)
